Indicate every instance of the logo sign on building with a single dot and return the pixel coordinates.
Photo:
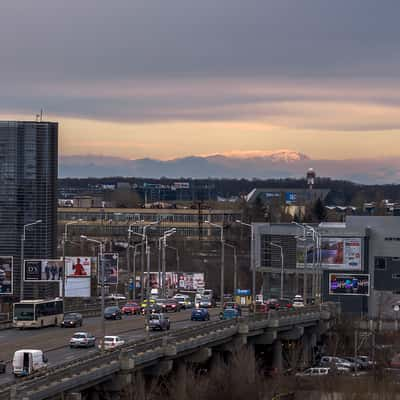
(341, 253)
(349, 284)
(6, 275)
(290, 197)
(110, 265)
(43, 270)
(78, 267)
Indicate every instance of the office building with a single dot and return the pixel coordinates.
(358, 264)
(28, 182)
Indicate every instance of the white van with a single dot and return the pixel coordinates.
(25, 362)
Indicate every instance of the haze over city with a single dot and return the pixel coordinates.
(142, 79)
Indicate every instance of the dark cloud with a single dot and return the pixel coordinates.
(50, 43)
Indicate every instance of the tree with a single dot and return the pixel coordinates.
(319, 212)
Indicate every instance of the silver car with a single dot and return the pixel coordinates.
(159, 321)
(82, 339)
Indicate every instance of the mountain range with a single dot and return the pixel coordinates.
(252, 164)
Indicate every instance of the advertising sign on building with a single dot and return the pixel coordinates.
(110, 265)
(6, 275)
(78, 267)
(43, 270)
(341, 253)
(349, 284)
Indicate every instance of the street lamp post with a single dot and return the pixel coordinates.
(129, 254)
(234, 267)
(101, 266)
(23, 236)
(316, 251)
(164, 245)
(282, 271)
(222, 260)
(65, 240)
(177, 256)
(252, 260)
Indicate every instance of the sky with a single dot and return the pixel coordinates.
(165, 79)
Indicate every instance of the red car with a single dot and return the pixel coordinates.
(131, 308)
(170, 305)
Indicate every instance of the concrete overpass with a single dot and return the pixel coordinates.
(115, 370)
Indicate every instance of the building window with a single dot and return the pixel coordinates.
(380, 263)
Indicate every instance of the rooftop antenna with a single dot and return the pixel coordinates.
(41, 114)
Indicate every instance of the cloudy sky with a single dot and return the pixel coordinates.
(169, 78)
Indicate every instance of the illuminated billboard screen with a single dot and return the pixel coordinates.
(349, 284)
(6, 275)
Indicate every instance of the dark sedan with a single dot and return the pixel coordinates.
(112, 313)
(72, 320)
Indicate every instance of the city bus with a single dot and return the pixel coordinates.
(38, 313)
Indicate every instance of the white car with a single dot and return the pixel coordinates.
(298, 301)
(116, 296)
(82, 339)
(111, 342)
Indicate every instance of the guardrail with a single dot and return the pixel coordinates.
(143, 351)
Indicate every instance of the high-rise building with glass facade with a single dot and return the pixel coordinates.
(28, 193)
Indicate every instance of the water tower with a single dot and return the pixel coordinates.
(310, 178)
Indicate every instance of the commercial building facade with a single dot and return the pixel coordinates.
(28, 182)
(359, 263)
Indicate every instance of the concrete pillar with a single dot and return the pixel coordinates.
(277, 361)
(73, 396)
(180, 389)
(306, 344)
(296, 283)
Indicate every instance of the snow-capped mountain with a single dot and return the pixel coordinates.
(241, 164)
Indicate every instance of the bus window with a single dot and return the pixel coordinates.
(23, 312)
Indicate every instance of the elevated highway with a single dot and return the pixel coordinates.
(192, 342)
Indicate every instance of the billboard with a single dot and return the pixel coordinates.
(110, 265)
(176, 280)
(341, 253)
(304, 250)
(191, 280)
(349, 284)
(77, 267)
(6, 275)
(43, 270)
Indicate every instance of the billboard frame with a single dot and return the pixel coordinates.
(41, 260)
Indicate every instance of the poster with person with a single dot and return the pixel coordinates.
(78, 267)
(43, 270)
(110, 265)
(6, 275)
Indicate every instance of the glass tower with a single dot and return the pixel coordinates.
(28, 192)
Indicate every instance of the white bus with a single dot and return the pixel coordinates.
(37, 313)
